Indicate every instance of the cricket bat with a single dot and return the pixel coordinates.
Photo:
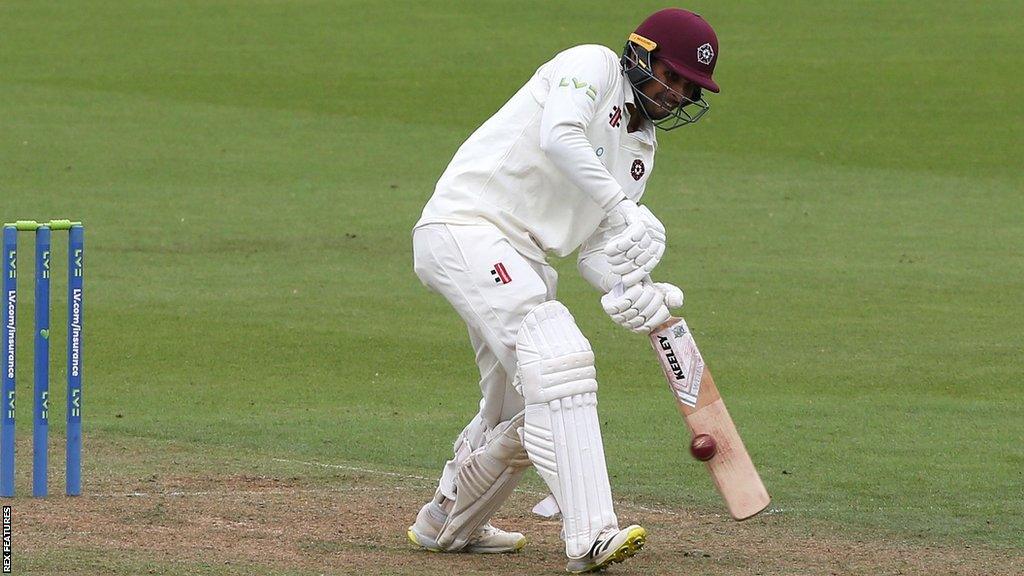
(701, 406)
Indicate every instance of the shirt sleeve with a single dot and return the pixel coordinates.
(592, 263)
(579, 80)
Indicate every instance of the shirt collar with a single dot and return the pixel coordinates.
(646, 131)
(627, 91)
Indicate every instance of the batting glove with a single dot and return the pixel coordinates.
(642, 307)
(634, 252)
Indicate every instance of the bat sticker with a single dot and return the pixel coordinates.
(683, 363)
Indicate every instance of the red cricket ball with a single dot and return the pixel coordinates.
(703, 447)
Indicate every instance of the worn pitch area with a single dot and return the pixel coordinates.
(247, 515)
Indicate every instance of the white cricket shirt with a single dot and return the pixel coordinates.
(547, 167)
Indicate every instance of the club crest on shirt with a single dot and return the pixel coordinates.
(638, 169)
(500, 275)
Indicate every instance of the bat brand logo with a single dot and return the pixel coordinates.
(670, 355)
(681, 362)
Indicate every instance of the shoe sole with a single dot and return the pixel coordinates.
(634, 543)
(432, 546)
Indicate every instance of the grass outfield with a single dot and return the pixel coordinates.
(846, 222)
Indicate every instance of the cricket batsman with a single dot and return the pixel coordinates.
(560, 167)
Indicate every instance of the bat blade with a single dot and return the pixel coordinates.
(704, 411)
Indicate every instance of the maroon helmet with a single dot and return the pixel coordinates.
(687, 44)
(684, 41)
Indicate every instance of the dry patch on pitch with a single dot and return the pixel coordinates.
(309, 520)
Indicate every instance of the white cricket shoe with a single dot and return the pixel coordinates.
(487, 540)
(610, 547)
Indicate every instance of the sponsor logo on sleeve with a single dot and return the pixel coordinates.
(567, 82)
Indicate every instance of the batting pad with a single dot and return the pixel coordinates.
(485, 480)
(562, 433)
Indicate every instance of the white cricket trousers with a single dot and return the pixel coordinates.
(492, 287)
